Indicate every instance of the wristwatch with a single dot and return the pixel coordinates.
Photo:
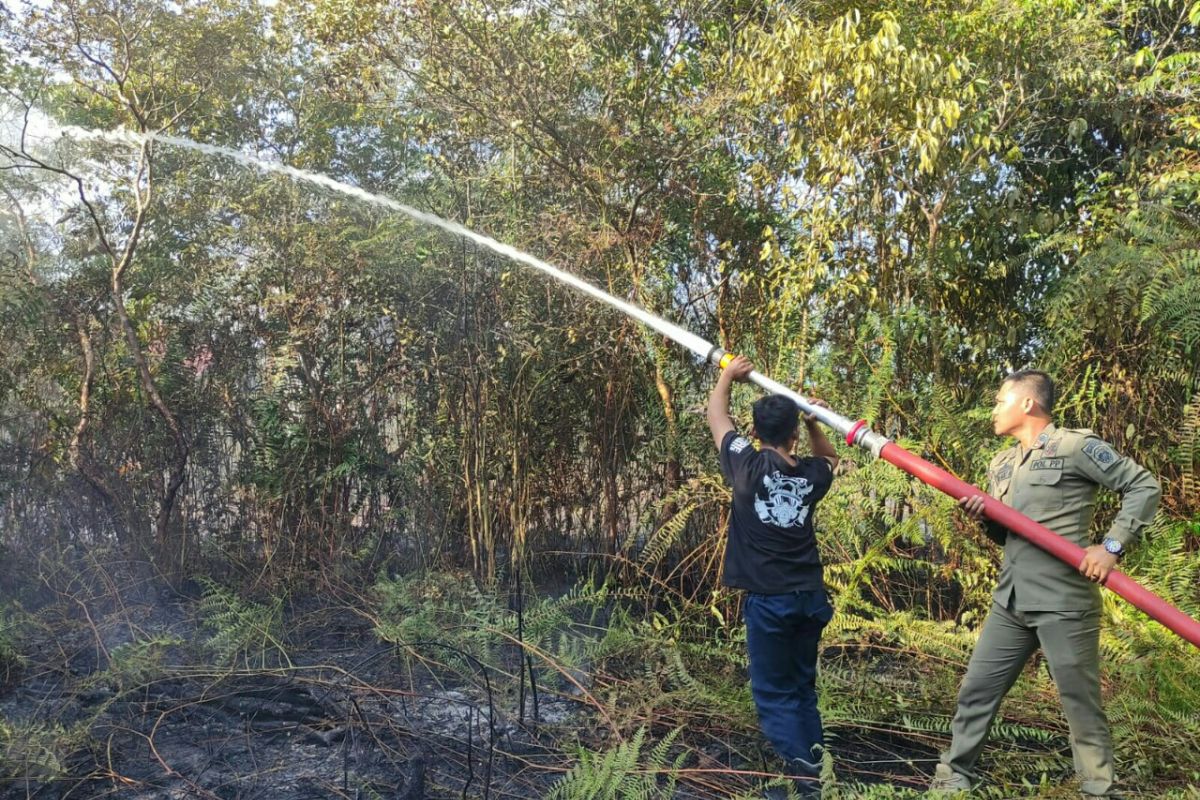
(1111, 545)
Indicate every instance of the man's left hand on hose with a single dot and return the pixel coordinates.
(1097, 563)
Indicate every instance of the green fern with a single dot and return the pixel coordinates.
(443, 609)
(12, 624)
(241, 629)
(624, 772)
(39, 750)
(135, 663)
(704, 491)
(1188, 455)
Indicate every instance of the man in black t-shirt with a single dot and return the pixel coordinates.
(772, 554)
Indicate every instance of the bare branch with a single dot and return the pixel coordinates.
(41, 163)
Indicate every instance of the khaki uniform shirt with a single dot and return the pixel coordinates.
(1055, 483)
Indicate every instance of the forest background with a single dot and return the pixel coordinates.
(238, 390)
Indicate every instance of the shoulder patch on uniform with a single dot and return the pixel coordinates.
(738, 445)
(1101, 453)
(1004, 472)
(1047, 463)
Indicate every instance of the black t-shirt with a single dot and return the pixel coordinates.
(772, 548)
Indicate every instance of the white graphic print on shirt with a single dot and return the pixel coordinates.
(784, 505)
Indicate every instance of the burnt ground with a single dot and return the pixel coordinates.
(90, 716)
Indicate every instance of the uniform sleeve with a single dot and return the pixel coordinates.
(735, 449)
(1138, 488)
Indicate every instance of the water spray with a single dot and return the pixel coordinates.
(855, 432)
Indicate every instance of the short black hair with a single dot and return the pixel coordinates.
(775, 419)
(1039, 385)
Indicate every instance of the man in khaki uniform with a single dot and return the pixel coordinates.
(1052, 476)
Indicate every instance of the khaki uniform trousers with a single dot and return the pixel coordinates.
(1070, 641)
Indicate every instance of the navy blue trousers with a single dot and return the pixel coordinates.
(782, 636)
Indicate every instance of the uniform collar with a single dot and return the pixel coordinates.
(1040, 442)
(1043, 437)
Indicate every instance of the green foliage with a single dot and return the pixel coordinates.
(423, 611)
(567, 625)
(1131, 311)
(624, 772)
(675, 660)
(141, 661)
(242, 631)
(887, 203)
(12, 626)
(39, 751)
(898, 553)
(702, 492)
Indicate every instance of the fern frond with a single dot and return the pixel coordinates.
(623, 772)
(242, 628)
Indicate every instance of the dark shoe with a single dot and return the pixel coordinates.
(809, 770)
(802, 766)
(807, 787)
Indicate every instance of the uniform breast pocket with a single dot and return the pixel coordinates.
(1045, 489)
(999, 489)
